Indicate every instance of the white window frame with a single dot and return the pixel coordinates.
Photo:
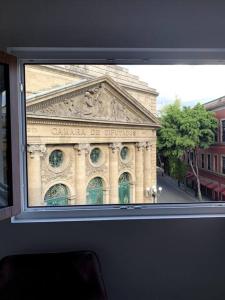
(109, 56)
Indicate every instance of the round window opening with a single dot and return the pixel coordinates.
(95, 155)
(124, 153)
(56, 158)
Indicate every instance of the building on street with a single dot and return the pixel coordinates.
(211, 161)
(91, 135)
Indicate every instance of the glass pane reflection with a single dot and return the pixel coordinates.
(4, 91)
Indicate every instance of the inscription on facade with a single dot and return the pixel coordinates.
(32, 130)
(87, 132)
(93, 132)
(68, 131)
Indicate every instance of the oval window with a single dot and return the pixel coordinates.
(56, 158)
(124, 153)
(95, 155)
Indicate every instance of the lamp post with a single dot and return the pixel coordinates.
(153, 192)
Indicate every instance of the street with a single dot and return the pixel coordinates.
(171, 193)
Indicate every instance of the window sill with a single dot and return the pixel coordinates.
(128, 212)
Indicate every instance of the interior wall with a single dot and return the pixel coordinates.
(112, 23)
(152, 259)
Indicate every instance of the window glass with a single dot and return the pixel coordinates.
(4, 135)
(57, 195)
(215, 163)
(124, 153)
(209, 161)
(124, 188)
(95, 155)
(94, 192)
(223, 131)
(203, 161)
(223, 164)
(121, 135)
(56, 158)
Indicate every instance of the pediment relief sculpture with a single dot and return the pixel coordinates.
(99, 102)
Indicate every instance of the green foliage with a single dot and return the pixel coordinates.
(185, 129)
(178, 168)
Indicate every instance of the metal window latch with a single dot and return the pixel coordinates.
(21, 87)
(123, 207)
(130, 206)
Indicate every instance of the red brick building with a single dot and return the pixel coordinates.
(212, 160)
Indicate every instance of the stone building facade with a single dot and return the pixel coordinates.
(211, 161)
(91, 136)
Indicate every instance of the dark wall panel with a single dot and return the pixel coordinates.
(112, 23)
(155, 259)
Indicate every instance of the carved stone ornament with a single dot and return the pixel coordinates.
(36, 149)
(91, 171)
(82, 148)
(126, 165)
(48, 177)
(115, 147)
(148, 146)
(141, 145)
(96, 103)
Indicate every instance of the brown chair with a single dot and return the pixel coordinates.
(72, 275)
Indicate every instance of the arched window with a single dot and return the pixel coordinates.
(57, 195)
(94, 193)
(124, 188)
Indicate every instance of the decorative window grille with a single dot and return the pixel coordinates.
(124, 153)
(95, 155)
(57, 195)
(94, 194)
(124, 188)
(56, 158)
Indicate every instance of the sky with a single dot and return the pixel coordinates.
(190, 83)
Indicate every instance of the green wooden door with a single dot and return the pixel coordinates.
(94, 193)
(124, 188)
(57, 195)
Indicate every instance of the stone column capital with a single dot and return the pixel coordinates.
(148, 146)
(36, 149)
(140, 146)
(82, 148)
(115, 147)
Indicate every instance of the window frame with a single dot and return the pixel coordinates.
(209, 162)
(216, 163)
(202, 160)
(221, 130)
(222, 158)
(110, 211)
(14, 206)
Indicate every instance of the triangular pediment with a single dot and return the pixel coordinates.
(101, 100)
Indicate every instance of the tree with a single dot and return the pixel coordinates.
(178, 169)
(186, 130)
